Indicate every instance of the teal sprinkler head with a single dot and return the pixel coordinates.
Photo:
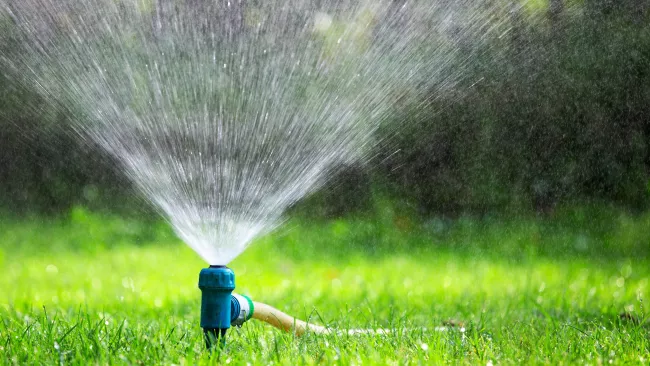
(219, 306)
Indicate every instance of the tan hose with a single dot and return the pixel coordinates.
(287, 323)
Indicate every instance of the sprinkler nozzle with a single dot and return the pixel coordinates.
(219, 306)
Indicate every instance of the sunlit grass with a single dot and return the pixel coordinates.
(111, 290)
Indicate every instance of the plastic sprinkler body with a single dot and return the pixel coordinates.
(216, 284)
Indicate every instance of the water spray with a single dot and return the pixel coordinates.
(224, 115)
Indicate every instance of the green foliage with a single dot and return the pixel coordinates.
(137, 301)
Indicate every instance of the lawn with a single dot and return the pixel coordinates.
(96, 288)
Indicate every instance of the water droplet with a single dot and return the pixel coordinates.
(336, 284)
(127, 282)
(626, 271)
(322, 22)
(51, 268)
(620, 282)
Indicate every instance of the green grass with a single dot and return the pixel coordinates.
(93, 289)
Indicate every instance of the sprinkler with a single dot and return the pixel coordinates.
(220, 308)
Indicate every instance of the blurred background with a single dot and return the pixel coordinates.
(550, 125)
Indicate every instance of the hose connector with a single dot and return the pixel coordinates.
(242, 309)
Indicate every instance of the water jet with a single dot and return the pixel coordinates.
(225, 113)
